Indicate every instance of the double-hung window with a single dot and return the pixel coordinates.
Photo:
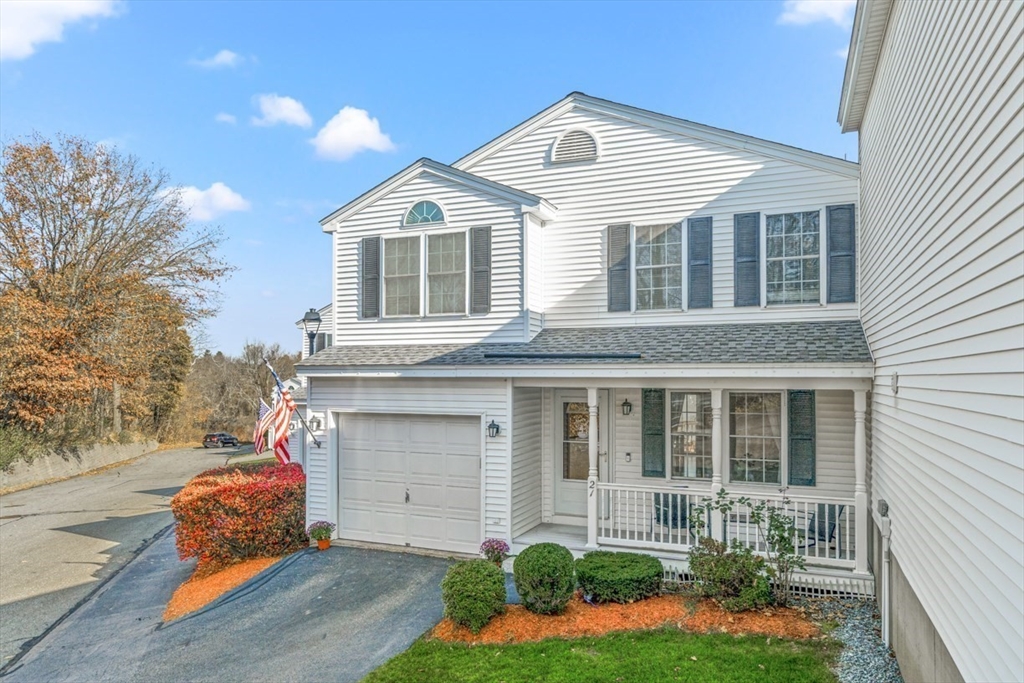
(659, 267)
(446, 273)
(690, 431)
(755, 437)
(402, 276)
(793, 258)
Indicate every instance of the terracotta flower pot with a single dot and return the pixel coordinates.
(323, 543)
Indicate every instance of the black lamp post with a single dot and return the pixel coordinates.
(311, 324)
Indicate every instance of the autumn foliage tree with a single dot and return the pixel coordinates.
(101, 275)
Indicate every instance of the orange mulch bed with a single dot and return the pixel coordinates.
(518, 625)
(206, 585)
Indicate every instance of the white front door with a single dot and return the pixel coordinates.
(572, 450)
(410, 480)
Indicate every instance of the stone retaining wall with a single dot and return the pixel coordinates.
(56, 466)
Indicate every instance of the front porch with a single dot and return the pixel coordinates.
(588, 482)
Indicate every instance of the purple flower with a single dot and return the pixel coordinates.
(494, 549)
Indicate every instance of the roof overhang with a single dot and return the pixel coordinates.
(529, 203)
(578, 100)
(869, 25)
(853, 371)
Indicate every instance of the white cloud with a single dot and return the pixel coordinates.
(225, 59)
(803, 12)
(205, 205)
(224, 117)
(278, 109)
(27, 23)
(350, 131)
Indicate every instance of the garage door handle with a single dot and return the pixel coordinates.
(406, 495)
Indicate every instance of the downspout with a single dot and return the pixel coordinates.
(885, 529)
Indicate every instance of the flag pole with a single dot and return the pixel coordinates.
(280, 387)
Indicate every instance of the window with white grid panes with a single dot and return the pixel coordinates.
(659, 267)
(793, 258)
(755, 437)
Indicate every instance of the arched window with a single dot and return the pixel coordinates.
(575, 145)
(424, 212)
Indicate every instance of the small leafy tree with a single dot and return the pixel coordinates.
(776, 531)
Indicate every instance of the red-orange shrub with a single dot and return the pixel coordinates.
(234, 513)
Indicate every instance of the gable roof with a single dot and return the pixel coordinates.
(424, 165)
(817, 342)
(869, 24)
(578, 100)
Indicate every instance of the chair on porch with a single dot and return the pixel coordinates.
(822, 525)
(674, 511)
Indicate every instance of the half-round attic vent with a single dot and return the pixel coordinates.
(576, 145)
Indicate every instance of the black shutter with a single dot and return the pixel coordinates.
(618, 267)
(801, 438)
(370, 304)
(747, 259)
(653, 437)
(480, 274)
(699, 257)
(842, 254)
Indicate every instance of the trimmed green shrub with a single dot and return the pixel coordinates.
(619, 577)
(544, 578)
(735, 576)
(473, 591)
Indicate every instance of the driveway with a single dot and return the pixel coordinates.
(315, 616)
(62, 540)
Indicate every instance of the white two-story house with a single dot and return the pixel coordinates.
(582, 328)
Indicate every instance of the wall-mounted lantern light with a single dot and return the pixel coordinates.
(627, 407)
(315, 424)
(493, 429)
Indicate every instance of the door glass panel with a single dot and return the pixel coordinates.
(575, 440)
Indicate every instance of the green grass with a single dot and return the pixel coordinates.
(662, 655)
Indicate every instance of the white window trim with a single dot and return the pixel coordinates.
(683, 267)
(424, 308)
(668, 437)
(416, 226)
(783, 442)
(822, 251)
(465, 281)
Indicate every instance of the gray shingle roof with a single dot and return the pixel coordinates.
(802, 342)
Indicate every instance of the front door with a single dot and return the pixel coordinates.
(572, 450)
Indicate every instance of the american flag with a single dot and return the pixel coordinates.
(284, 406)
(264, 416)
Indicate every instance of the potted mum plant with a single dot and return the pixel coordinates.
(321, 532)
(494, 550)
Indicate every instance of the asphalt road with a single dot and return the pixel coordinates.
(59, 540)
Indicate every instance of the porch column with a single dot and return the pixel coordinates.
(716, 459)
(860, 489)
(592, 435)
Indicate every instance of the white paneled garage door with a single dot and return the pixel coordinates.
(411, 480)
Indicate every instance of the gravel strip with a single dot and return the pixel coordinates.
(865, 658)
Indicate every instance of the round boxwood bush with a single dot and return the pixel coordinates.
(618, 577)
(473, 591)
(544, 578)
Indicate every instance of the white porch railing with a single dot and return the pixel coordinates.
(661, 517)
(649, 516)
(823, 528)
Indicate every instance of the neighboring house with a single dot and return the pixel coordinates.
(935, 91)
(580, 329)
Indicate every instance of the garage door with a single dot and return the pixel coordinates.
(411, 481)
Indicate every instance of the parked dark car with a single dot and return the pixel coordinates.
(219, 439)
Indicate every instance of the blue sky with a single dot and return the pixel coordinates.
(271, 115)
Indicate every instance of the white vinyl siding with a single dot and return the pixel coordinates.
(465, 208)
(486, 399)
(534, 277)
(647, 176)
(526, 459)
(942, 281)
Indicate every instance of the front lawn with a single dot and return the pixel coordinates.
(663, 655)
